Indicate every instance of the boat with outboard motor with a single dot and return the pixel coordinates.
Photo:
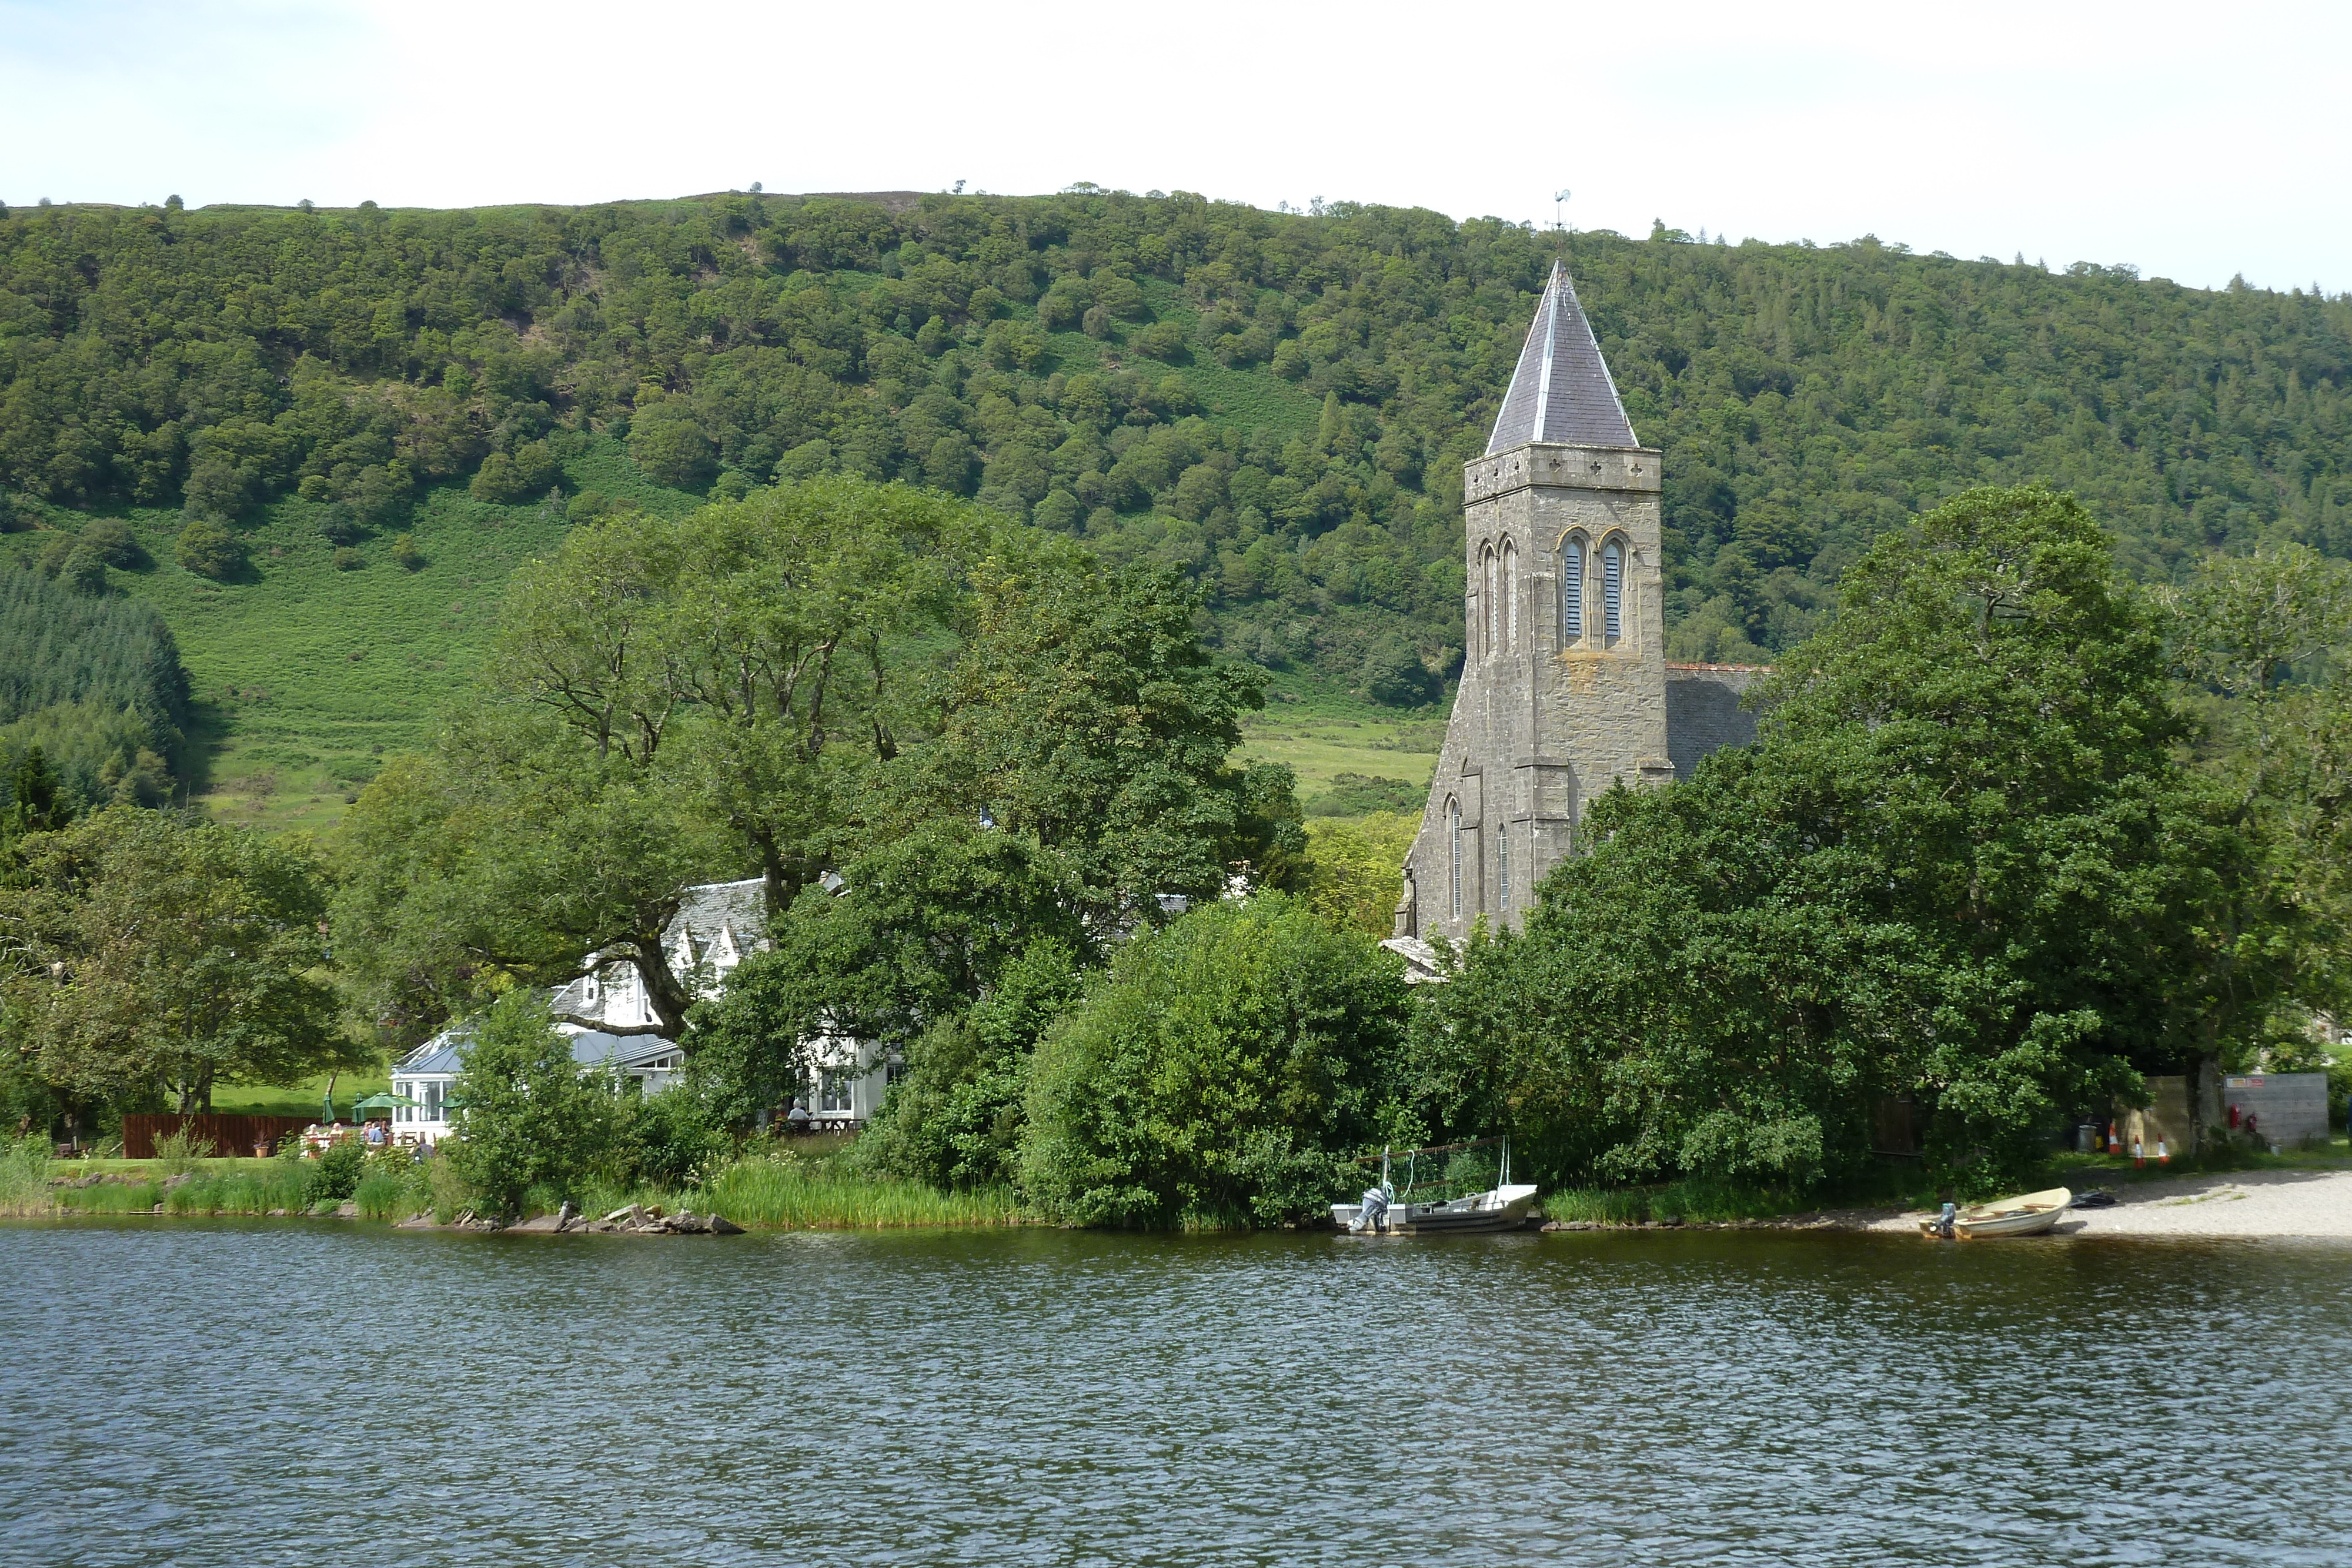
(1383, 1211)
(2028, 1216)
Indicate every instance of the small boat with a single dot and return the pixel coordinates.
(2028, 1216)
(1381, 1212)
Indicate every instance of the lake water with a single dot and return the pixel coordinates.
(226, 1393)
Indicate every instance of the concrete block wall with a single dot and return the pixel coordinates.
(2288, 1107)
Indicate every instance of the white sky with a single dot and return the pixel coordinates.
(2192, 142)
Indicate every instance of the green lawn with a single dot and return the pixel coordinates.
(301, 1100)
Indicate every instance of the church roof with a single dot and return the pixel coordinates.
(1561, 394)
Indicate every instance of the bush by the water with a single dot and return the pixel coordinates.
(531, 1118)
(1224, 1072)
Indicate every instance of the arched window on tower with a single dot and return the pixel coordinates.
(1453, 838)
(1612, 586)
(1510, 597)
(1571, 593)
(1487, 615)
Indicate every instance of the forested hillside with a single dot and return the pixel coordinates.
(1279, 403)
(95, 684)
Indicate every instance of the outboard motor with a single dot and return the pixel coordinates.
(1374, 1215)
(1946, 1222)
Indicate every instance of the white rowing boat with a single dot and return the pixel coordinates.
(2030, 1214)
(1502, 1207)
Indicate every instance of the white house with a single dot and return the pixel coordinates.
(613, 1025)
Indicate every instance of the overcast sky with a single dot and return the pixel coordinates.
(2194, 143)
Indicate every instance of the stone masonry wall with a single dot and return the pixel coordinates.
(1703, 711)
(1541, 723)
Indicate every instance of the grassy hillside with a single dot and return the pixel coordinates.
(1277, 403)
(304, 675)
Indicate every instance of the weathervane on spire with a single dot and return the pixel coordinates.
(1560, 211)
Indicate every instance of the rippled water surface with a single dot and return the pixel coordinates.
(228, 1394)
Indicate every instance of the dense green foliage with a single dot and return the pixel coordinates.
(1224, 1072)
(95, 685)
(1962, 867)
(529, 1118)
(151, 954)
(1278, 404)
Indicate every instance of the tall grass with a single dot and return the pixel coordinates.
(793, 1195)
(25, 1179)
(246, 1187)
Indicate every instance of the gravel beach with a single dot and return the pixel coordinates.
(2244, 1204)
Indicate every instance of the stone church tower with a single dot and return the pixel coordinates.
(1565, 685)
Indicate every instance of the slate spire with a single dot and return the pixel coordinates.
(1561, 394)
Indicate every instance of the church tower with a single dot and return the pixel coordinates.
(1564, 679)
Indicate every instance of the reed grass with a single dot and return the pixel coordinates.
(797, 1195)
(25, 1179)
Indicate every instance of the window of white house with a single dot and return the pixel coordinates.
(833, 1092)
(1613, 577)
(1571, 592)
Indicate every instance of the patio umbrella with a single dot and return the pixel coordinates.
(382, 1102)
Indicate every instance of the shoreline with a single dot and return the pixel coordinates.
(2232, 1205)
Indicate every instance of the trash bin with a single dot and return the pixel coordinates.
(2089, 1138)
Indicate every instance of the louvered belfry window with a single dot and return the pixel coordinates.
(1571, 592)
(1503, 865)
(1613, 583)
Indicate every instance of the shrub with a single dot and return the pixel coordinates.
(670, 447)
(209, 549)
(83, 570)
(335, 1175)
(673, 1139)
(349, 560)
(115, 545)
(338, 526)
(406, 554)
(529, 1118)
(1394, 674)
(530, 471)
(1232, 1061)
(1161, 341)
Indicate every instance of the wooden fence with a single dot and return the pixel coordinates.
(231, 1136)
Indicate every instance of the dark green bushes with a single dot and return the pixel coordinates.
(1227, 1070)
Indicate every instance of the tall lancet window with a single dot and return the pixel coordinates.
(1571, 593)
(1487, 615)
(1612, 586)
(1454, 831)
(1510, 597)
(1503, 866)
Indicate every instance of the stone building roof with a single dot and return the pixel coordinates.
(1561, 394)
